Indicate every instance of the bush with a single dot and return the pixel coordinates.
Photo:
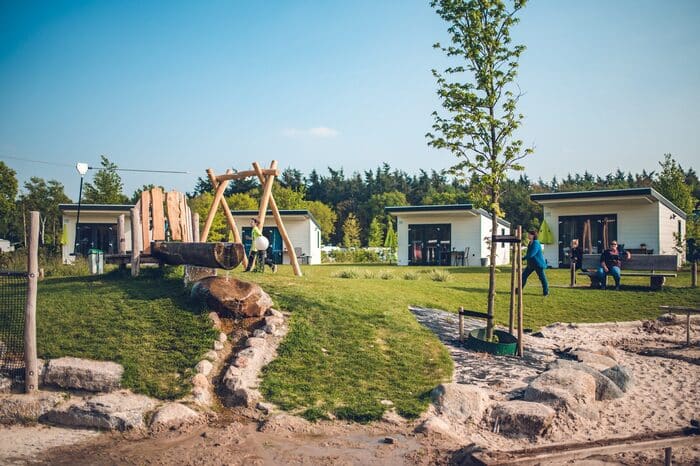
(386, 275)
(348, 273)
(410, 276)
(369, 273)
(354, 256)
(438, 275)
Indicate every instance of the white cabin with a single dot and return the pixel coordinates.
(98, 228)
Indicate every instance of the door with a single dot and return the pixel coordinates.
(603, 229)
(101, 236)
(274, 250)
(429, 244)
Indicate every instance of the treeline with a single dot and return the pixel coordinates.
(348, 207)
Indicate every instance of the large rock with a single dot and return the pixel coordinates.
(83, 374)
(15, 408)
(605, 388)
(595, 360)
(565, 388)
(236, 296)
(460, 402)
(621, 376)
(173, 415)
(112, 411)
(434, 425)
(522, 418)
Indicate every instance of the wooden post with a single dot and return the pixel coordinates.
(572, 266)
(280, 225)
(227, 211)
(511, 307)
(519, 278)
(145, 216)
(219, 194)
(687, 330)
(135, 241)
(195, 227)
(461, 324)
(694, 274)
(267, 193)
(668, 456)
(121, 234)
(31, 372)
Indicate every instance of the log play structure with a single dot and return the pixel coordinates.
(165, 231)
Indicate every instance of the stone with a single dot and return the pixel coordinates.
(596, 361)
(270, 328)
(272, 320)
(389, 440)
(204, 367)
(386, 403)
(211, 355)
(605, 388)
(194, 273)
(202, 396)
(5, 384)
(174, 415)
(241, 298)
(222, 337)
(200, 380)
(120, 411)
(274, 312)
(393, 418)
(255, 342)
(22, 407)
(522, 418)
(218, 346)
(564, 388)
(84, 374)
(459, 402)
(621, 376)
(266, 408)
(435, 425)
(215, 320)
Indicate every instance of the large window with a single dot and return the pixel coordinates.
(594, 233)
(274, 251)
(101, 236)
(429, 244)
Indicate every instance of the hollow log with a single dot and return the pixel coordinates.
(219, 255)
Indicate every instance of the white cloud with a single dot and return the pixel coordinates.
(321, 132)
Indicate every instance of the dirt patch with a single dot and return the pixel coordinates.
(22, 444)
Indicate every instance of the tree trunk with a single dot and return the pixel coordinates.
(218, 255)
(492, 277)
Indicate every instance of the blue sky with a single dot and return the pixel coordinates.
(189, 85)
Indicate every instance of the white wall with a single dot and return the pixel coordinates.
(467, 230)
(668, 228)
(301, 233)
(87, 217)
(502, 249)
(637, 223)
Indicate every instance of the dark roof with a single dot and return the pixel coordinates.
(254, 213)
(97, 207)
(631, 192)
(442, 208)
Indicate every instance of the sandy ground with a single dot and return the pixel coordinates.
(664, 397)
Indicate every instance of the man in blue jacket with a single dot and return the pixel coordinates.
(535, 262)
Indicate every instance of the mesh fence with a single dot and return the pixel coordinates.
(13, 295)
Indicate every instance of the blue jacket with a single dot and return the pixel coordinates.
(534, 256)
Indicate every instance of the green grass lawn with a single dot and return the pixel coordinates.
(146, 324)
(352, 341)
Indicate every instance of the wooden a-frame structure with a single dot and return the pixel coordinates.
(267, 178)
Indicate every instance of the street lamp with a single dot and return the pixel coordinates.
(82, 170)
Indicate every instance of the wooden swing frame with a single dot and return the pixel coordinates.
(266, 176)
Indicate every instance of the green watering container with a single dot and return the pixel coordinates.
(507, 344)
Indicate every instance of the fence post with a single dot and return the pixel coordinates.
(135, 241)
(195, 227)
(121, 235)
(31, 374)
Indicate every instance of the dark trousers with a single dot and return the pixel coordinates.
(540, 273)
(256, 256)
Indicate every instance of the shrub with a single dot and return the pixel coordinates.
(386, 275)
(410, 276)
(438, 275)
(369, 273)
(347, 273)
(355, 256)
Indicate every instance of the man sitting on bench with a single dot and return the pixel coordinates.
(610, 263)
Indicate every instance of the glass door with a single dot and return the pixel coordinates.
(429, 244)
(594, 233)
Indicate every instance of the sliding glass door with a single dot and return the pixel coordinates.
(594, 233)
(429, 244)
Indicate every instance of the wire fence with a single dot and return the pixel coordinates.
(13, 295)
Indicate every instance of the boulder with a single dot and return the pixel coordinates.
(435, 425)
(120, 411)
(596, 361)
(565, 388)
(522, 418)
(83, 374)
(597, 348)
(241, 298)
(200, 380)
(255, 342)
(204, 367)
(459, 402)
(222, 337)
(621, 376)
(211, 355)
(173, 415)
(605, 388)
(218, 346)
(23, 407)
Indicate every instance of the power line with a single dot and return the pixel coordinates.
(36, 161)
(90, 168)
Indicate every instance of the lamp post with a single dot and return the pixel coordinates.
(82, 169)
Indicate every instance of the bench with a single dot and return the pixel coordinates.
(655, 266)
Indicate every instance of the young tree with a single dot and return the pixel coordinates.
(351, 232)
(479, 102)
(45, 197)
(107, 187)
(671, 183)
(391, 241)
(8, 194)
(376, 233)
(325, 217)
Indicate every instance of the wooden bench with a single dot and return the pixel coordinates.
(655, 266)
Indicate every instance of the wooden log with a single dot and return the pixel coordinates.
(158, 215)
(230, 175)
(280, 226)
(267, 193)
(121, 235)
(511, 306)
(461, 324)
(172, 207)
(217, 255)
(145, 222)
(218, 195)
(136, 239)
(185, 218)
(227, 212)
(195, 227)
(519, 256)
(31, 372)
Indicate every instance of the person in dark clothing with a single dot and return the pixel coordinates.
(610, 264)
(535, 262)
(576, 254)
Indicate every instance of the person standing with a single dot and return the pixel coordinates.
(576, 254)
(254, 253)
(535, 262)
(610, 264)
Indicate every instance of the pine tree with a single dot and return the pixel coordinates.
(376, 233)
(351, 232)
